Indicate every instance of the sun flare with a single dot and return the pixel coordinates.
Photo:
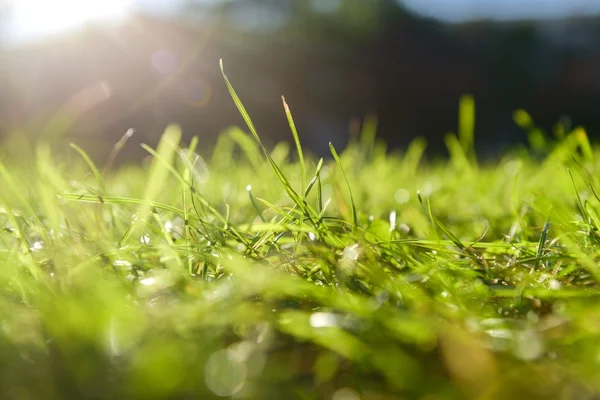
(35, 18)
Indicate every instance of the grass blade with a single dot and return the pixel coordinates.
(288, 113)
(352, 204)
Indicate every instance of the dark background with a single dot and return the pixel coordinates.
(334, 68)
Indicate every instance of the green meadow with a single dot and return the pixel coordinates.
(258, 272)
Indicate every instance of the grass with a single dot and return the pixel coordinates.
(367, 276)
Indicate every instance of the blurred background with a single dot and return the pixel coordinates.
(88, 71)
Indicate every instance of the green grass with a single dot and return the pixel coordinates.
(367, 276)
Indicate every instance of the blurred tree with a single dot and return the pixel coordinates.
(334, 60)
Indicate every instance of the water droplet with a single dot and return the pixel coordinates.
(350, 253)
(122, 263)
(554, 284)
(145, 239)
(323, 320)
(500, 333)
(392, 220)
(312, 236)
(37, 246)
(175, 227)
(156, 282)
(148, 281)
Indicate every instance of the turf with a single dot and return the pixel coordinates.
(268, 274)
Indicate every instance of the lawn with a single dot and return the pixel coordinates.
(265, 273)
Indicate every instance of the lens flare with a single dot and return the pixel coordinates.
(197, 93)
(165, 61)
(37, 18)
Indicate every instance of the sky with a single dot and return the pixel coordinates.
(464, 10)
(34, 19)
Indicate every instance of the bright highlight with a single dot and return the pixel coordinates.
(35, 18)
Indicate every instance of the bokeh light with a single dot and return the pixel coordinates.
(196, 92)
(225, 373)
(165, 61)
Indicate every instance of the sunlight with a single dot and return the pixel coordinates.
(34, 18)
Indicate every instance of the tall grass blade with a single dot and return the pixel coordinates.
(352, 204)
(288, 114)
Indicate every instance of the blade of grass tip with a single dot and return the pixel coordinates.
(314, 179)
(480, 238)
(288, 113)
(300, 202)
(369, 131)
(90, 165)
(242, 110)
(542, 243)
(117, 148)
(352, 204)
(427, 208)
(458, 157)
(165, 162)
(193, 144)
(320, 194)
(240, 107)
(466, 125)
(413, 156)
(249, 190)
(125, 238)
(227, 215)
(584, 144)
(579, 201)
